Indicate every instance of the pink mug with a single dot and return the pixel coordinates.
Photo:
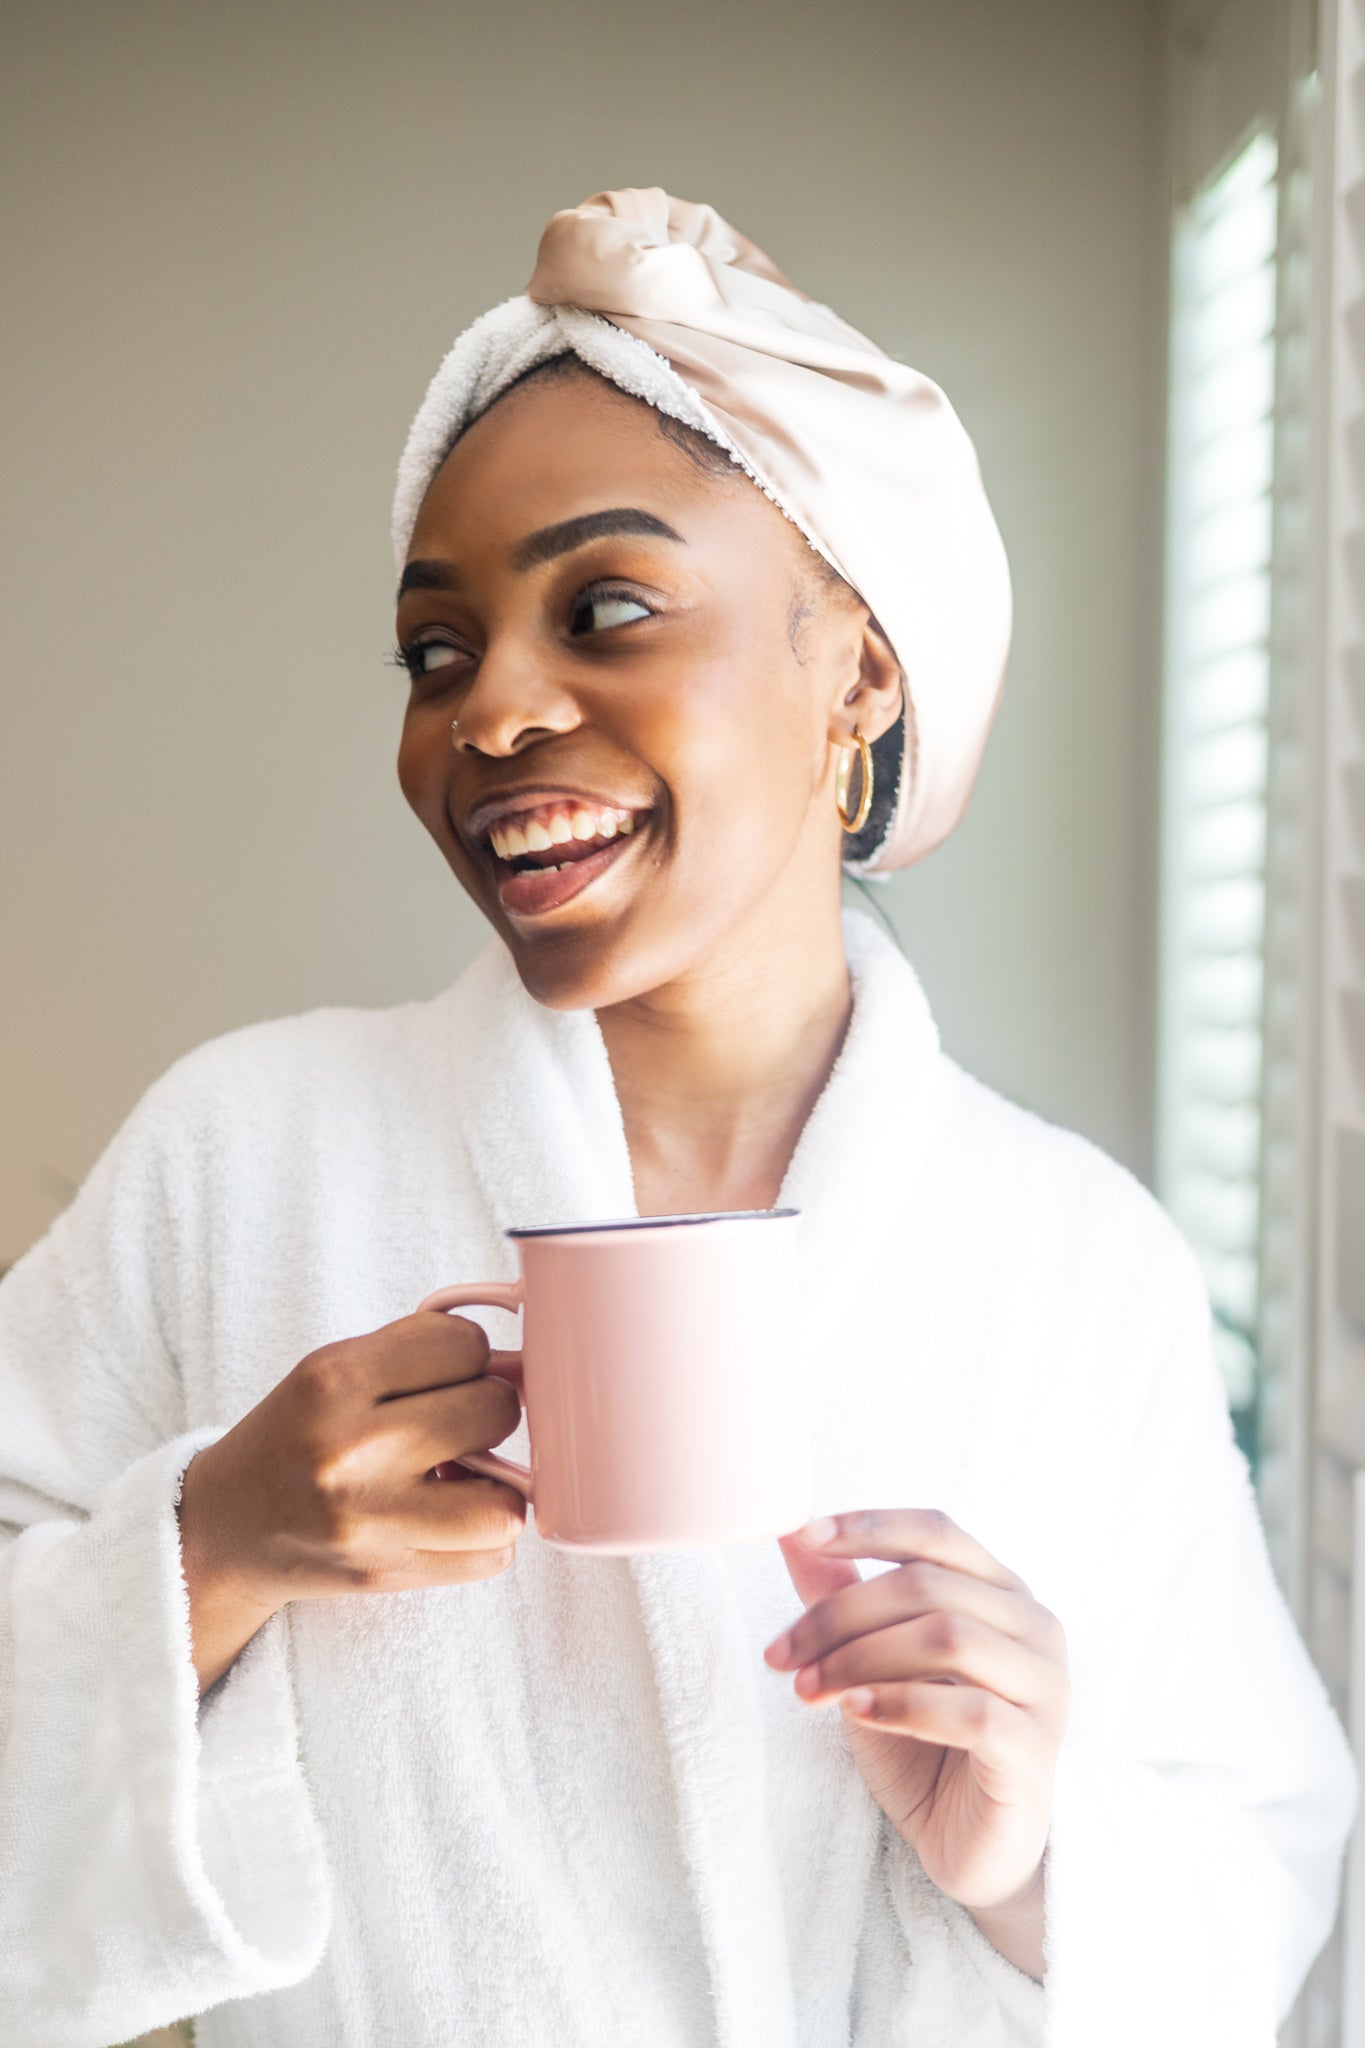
(663, 1380)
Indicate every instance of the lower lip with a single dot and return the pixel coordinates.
(537, 890)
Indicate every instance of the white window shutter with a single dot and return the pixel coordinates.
(1216, 725)
(1285, 1328)
(1294, 795)
(1335, 779)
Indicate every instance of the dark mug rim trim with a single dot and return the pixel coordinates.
(649, 1222)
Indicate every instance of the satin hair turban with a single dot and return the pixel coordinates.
(865, 455)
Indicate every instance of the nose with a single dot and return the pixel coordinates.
(511, 705)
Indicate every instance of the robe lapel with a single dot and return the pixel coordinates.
(536, 1105)
(542, 1124)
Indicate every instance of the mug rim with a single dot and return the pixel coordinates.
(650, 1222)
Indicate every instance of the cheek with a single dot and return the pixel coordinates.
(422, 767)
(730, 741)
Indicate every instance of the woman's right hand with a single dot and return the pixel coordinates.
(328, 1484)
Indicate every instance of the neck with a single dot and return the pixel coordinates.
(717, 1071)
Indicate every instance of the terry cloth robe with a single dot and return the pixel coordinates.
(570, 1805)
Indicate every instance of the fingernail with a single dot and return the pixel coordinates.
(819, 1531)
(781, 1647)
(860, 1699)
(808, 1680)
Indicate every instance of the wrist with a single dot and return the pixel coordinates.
(215, 1572)
(1021, 1900)
(1014, 1925)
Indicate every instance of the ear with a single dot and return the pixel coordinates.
(873, 700)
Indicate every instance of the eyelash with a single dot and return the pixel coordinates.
(405, 653)
(607, 591)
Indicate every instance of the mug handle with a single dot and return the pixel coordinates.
(504, 1364)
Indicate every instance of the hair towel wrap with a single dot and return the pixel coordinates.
(864, 454)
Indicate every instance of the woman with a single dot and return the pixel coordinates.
(304, 1729)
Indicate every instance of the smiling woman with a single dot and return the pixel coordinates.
(685, 561)
(601, 626)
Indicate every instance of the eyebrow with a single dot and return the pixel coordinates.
(545, 544)
(573, 533)
(430, 576)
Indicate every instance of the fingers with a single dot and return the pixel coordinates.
(814, 1576)
(449, 1568)
(403, 1570)
(428, 1429)
(901, 1534)
(944, 1645)
(413, 1355)
(955, 1716)
(455, 1514)
(914, 1589)
(432, 1349)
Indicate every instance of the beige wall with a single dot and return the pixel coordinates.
(237, 239)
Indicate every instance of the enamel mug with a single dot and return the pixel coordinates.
(663, 1379)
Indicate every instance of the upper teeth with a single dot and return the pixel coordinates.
(539, 831)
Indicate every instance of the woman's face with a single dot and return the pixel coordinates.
(648, 684)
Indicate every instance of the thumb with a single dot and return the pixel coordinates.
(813, 1574)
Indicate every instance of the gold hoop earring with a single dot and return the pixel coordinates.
(854, 822)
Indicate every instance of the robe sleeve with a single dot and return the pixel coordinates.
(157, 1855)
(1201, 1813)
(953, 1971)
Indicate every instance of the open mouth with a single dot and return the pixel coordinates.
(545, 855)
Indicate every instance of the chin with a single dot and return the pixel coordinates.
(642, 923)
(588, 968)
(616, 935)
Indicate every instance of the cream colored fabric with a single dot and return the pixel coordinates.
(863, 453)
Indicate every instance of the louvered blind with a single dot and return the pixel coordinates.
(1288, 1107)
(1220, 521)
(1337, 1598)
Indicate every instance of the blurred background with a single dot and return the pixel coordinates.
(238, 241)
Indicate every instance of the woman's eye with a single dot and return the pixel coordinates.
(424, 657)
(430, 654)
(604, 609)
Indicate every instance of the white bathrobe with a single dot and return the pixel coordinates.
(570, 1805)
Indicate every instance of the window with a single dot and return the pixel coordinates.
(1215, 747)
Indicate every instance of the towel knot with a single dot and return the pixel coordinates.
(642, 254)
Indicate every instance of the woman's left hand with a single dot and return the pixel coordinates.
(958, 1739)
